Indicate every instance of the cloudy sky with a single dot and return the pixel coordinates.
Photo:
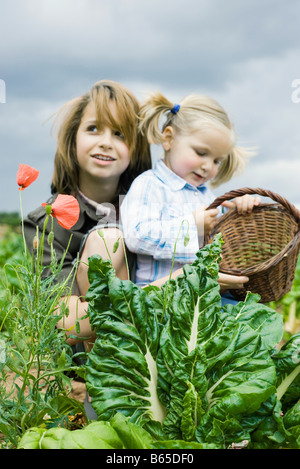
(244, 53)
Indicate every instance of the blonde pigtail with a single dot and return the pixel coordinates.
(151, 114)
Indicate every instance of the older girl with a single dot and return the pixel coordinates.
(99, 153)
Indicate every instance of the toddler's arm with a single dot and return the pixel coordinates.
(150, 231)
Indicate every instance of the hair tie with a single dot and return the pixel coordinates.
(175, 108)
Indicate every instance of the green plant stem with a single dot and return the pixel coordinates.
(101, 234)
(171, 272)
(39, 259)
(283, 387)
(51, 244)
(126, 260)
(22, 223)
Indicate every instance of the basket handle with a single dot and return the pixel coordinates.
(264, 193)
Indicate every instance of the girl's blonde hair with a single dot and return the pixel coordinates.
(193, 110)
(103, 93)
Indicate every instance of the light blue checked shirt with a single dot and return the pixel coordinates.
(156, 214)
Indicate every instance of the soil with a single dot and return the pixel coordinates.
(78, 391)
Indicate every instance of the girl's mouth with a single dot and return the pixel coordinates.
(103, 157)
(198, 176)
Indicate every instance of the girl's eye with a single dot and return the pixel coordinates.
(92, 128)
(200, 153)
(119, 134)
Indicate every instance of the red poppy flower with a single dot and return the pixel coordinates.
(65, 209)
(26, 175)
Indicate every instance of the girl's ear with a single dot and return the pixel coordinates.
(168, 135)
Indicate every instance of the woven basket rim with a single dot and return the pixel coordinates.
(262, 192)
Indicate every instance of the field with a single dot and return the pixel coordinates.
(176, 371)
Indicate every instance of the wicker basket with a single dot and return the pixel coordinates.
(263, 245)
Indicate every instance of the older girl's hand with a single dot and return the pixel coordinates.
(231, 282)
(244, 204)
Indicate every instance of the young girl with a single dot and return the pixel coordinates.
(99, 153)
(164, 211)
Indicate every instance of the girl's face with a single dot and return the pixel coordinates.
(196, 156)
(102, 154)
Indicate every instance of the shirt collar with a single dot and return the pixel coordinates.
(171, 179)
(101, 209)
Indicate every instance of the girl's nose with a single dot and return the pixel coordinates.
(206, 164)
(105, 138)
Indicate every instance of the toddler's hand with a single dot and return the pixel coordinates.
(244, 204)
(205, 219)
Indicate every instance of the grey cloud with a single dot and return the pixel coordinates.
(244, 53)
(184, 41)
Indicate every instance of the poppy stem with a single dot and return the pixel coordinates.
(22, 222)
(126, 260)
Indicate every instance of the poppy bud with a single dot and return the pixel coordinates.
(116, 245)
(50, 238)
(48, 209)
(186, 239)
(35, 242)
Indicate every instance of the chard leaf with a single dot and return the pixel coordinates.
(188, 385)
(232, 383)
(121, 370)
(241, 376)
(218, 353)
(292, 424)
(192, 413)
(263, 319)
(287, 362)
(292, 417)
(221, 431)
(132, 436)
(271, 432)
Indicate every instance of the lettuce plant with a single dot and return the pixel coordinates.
(177, 363)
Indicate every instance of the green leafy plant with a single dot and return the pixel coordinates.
(191, 371)
(34, 354)
(119, 433)
(289, 306)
